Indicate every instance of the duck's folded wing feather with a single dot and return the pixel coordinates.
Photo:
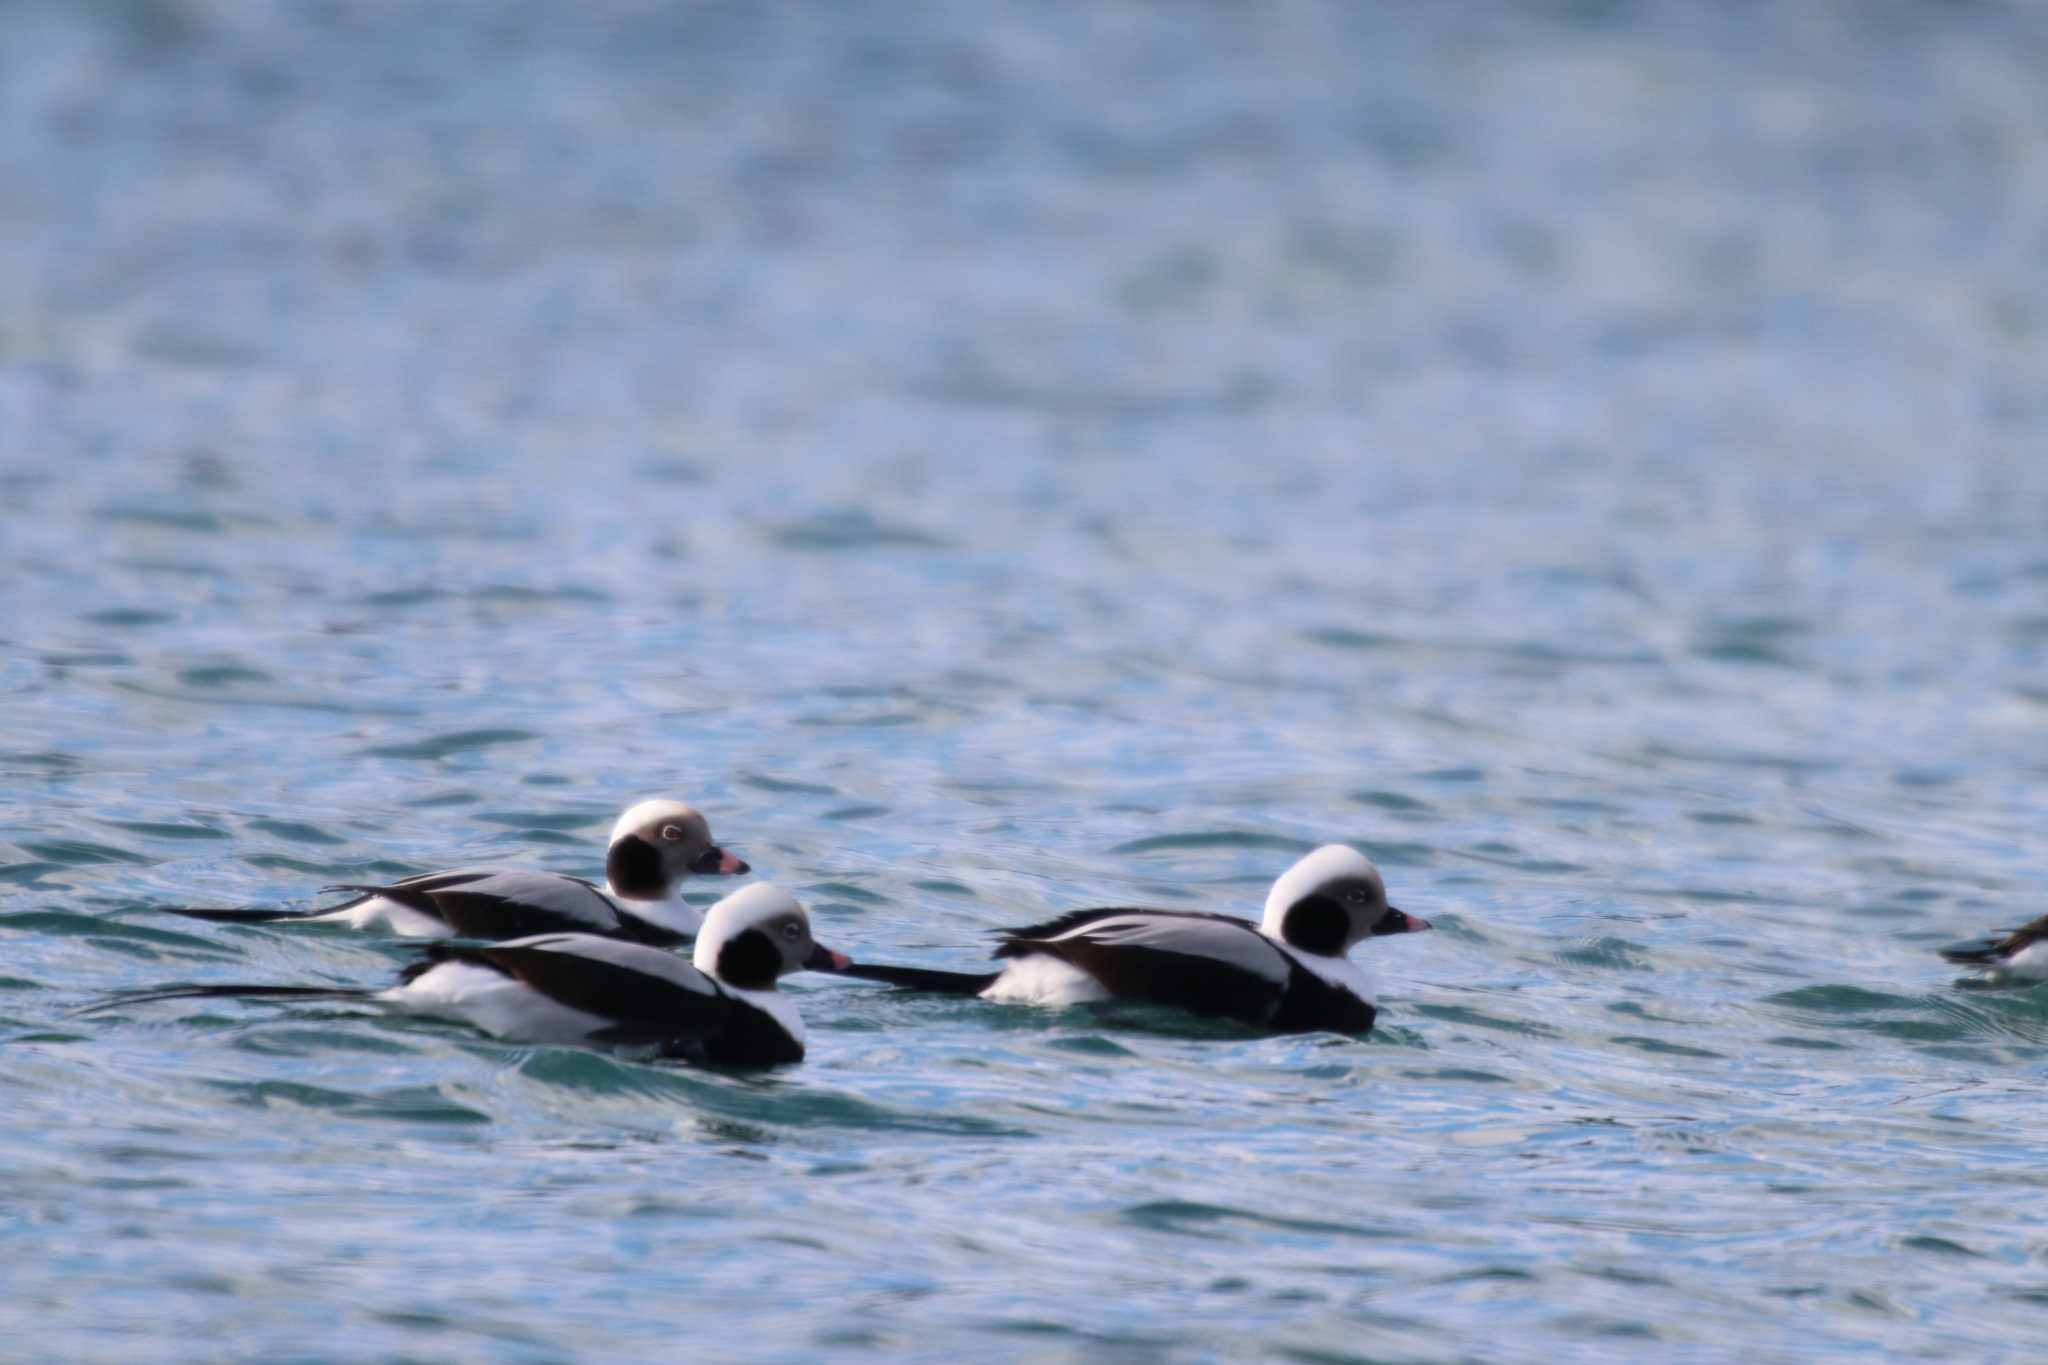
(1210, 964)
(651, 995)
(505, 902)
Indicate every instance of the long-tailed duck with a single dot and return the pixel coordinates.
(2020, 955)
(1289, 973)
(720, 1007)
(654, 846)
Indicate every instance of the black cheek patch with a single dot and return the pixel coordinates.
(750, 961)
(1316, 924)
(633, 867)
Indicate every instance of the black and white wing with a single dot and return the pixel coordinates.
(1214, 965)
(648, 995)
(501, 902)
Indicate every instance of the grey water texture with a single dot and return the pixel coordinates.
(997, 459)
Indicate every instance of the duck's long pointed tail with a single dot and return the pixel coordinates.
(235, 992)
(223, 915)
(922, 978)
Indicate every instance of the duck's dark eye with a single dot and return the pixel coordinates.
(1356, 895)
(790, 931)
(671, 832)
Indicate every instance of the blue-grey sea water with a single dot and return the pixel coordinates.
(997, 459)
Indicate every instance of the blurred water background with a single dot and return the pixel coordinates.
(1002, 458)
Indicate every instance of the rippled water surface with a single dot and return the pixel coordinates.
(998, 459)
